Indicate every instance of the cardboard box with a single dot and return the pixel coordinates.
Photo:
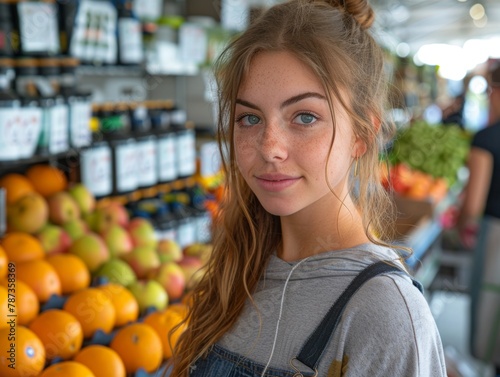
(411, 214)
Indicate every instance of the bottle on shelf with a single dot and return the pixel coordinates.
(130, 47)
(96, 171)
(6, 27)
(10, 115)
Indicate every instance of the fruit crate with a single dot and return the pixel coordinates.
(411, 214)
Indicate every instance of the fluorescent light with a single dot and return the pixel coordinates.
(477, 11)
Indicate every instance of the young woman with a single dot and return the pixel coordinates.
(301, 120)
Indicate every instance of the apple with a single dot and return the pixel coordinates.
(83, 197)
(149, 294)
(54, 239)
(193, 270)
(142, 232)
(110, 214)
(143, 260)
(62, 208)
(76, 228)
(90, 219)
(92, 249)
(117, 271)
(171, 276)
(199, 250)
(117, 240)
(169, 251)
(28, 214)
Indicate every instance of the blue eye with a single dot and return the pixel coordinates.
(248, 120)
(305, 118)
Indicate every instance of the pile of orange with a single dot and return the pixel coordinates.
(93, 309)
(60, 333)
(47, 179)
(29, 353)
(16, 186)
(139, 346)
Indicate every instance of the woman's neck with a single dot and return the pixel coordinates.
(315, 230)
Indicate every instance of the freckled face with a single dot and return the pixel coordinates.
(283, 133)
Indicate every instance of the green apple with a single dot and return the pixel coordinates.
(117, 271)
(149, 294)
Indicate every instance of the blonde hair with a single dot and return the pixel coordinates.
(332, 39)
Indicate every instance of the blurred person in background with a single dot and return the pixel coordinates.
(479, 228)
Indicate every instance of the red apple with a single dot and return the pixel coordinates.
(112, 213)
(92, 249)
(28, 214)
(171, 276)
(54, 239)
(142, 233)
(193, 270)
(143, 260)
(62, 208)
(117, 240)
(169, 250)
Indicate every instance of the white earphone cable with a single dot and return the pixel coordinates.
(279, 317)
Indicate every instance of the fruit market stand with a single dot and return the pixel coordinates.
(419, 227)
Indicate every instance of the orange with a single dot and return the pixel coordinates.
(4, 307)
(41, 277)
(126, 306)
(67, 369)
(16, 186)
(102, 361)
(72, 272)
(139, 346)
(4, 263)
(46, 179)
(60, 333)
(28, 352)
(180, 308)
(27, 305)
(22, 247)
(163, 322)
(93, 309)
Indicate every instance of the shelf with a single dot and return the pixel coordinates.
(16, 164)
(110, 71)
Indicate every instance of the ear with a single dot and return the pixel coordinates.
(359, 148)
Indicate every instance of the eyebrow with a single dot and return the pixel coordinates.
(288, 102)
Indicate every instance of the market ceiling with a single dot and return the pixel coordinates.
(419, 22)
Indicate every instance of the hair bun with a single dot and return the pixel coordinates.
(359, 9)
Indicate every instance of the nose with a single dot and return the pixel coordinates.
(273, 142)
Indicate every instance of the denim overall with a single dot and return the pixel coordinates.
(223, 363)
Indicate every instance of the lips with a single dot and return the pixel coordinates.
(276, 182)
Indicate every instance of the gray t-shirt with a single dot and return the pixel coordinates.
(386, 330)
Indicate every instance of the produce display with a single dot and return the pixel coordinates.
(94, 291)
(424, 160)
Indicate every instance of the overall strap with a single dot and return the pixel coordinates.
(312, 350)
